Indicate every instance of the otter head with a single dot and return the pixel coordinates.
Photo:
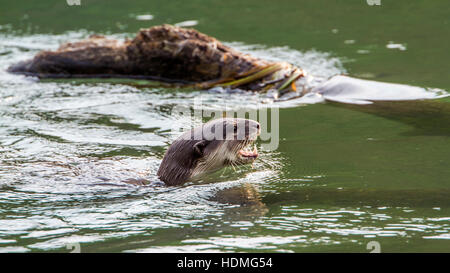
(209, 147)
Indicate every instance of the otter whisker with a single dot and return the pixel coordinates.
(224, 170)
(232, 165)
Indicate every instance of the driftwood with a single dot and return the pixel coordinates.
(165, 53)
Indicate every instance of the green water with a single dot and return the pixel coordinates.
(342, 176)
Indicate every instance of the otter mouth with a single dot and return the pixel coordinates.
(248, 153)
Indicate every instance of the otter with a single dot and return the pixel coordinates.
(208, 148)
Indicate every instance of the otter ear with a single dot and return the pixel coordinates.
(199, 147)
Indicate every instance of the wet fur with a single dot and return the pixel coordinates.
(187, 158)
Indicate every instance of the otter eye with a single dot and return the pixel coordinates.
(199, 147)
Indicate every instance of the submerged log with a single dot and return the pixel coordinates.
(164, 53)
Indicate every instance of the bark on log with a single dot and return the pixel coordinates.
(164, 53)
